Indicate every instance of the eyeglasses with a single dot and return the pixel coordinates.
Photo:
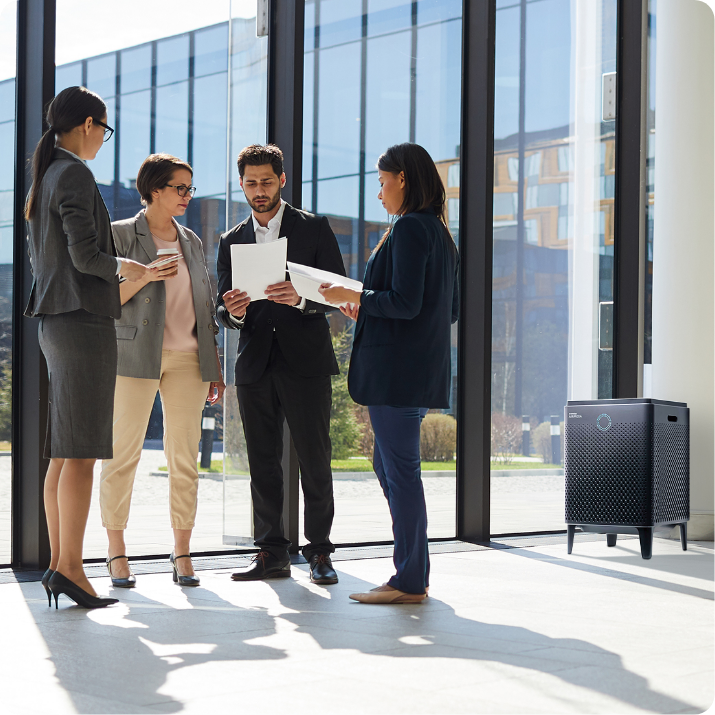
(183, 190)
(108, 131)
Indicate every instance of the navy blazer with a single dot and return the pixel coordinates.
(303, 335)
(402, 348)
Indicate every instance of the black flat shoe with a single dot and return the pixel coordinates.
(60, 584)
(178, 578)
(321, 569)
(128, 582)
(46, 583)
(264, 565)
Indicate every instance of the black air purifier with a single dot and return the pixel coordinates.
(627, 468)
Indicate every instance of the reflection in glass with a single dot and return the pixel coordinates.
(172, 59)
(69, 76)
(395, 77)
(102, 75)
(136, 68)
(172, 119)
(554, 175)
(135, 135)
(8, 18)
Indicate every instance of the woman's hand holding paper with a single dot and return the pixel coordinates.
(337, 294)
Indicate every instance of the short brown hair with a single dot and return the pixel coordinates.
(156, 172)
(258, 155)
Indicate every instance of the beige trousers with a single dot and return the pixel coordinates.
(183, 396)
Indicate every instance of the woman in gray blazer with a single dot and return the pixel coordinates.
(75, 294)
(166, 341)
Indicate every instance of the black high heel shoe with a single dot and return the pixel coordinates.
(178, 578)
(45, 582)
(128, 582)
(60, 584)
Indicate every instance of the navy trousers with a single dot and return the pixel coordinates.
(397, 465)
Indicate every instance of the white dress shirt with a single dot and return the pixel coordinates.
(71, 153)
(268, 235)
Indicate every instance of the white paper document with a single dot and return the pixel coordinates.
(255, 266)
(307, 280)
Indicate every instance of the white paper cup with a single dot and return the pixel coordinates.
(167, 252)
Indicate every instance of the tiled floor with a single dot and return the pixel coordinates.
(504, 631)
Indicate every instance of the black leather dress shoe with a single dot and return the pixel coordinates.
(264, 565)
(321, 569)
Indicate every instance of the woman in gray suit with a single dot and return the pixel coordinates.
(75, 293)
(166, 341)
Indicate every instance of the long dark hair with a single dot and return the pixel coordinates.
(69, 109)
(423, 185)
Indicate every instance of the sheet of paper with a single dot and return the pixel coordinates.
(307, 280)
(255, 266)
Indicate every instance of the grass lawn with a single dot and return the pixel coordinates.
(364, 465)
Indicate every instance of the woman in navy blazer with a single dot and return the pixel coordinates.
(401, 359)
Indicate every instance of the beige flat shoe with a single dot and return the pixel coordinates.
(387, 594)
(377, 588)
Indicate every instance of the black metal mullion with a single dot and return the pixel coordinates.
(413, 74)
(285, 128)
(475, 222)
(362, 241)
(152, 126)
(316, 108)
(630, 207)
(192, 62)
(35, 87)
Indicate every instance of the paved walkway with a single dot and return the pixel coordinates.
(520, 503)
(526, 630)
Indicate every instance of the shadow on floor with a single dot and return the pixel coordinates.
(444, 634)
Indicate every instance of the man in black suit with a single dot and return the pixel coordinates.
(285, 360)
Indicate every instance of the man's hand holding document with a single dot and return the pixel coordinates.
(254, 268)
(307, 282)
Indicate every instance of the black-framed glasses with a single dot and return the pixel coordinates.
(108, 131)
(183, 190)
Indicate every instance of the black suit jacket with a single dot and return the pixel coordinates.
(303, 336)
(402, 348)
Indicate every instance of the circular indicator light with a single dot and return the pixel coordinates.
(603, 422)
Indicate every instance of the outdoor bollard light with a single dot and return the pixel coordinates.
(208, 424)
(525, 430)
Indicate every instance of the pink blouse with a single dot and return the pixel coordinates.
(180, 321)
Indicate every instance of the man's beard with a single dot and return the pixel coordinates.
(272, 203)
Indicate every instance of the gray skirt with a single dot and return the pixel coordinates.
(81, 353)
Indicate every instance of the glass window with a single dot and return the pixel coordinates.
(211, 50)
(172, 59)
(339, 110)
(404, 81)
(103, 164)
(388, 93)
(553, 182)
(209, 145)
(388, 16)
(102, 75)
(69, 76)
(172, 119)
(135, 135)
(340, 21)
(136, 68)
(8, 27)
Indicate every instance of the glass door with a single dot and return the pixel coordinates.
(377, 73)
(554, 174)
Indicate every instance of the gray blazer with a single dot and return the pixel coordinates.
(70, 244)
(140, 330)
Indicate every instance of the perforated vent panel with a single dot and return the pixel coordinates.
(671, 472)
(607, 474)
(631, 474)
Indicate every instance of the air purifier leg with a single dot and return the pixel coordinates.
(645, 534)
(570, 531)
(611, 539)
(684, 535)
